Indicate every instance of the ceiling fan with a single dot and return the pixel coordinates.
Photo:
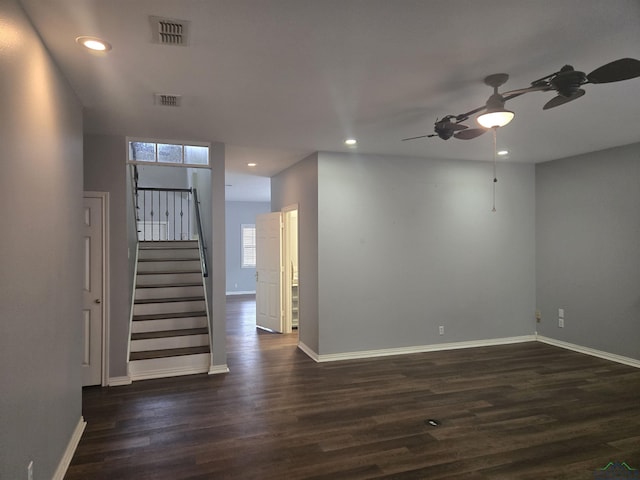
(567, 83)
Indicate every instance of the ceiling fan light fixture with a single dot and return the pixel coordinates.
(495, 118)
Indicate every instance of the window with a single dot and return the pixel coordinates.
(164, 153)
(248, 246)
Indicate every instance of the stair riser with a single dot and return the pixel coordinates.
(168, 292)
(168, 324)
(168, 278)
(169, 342)
(169, 253)
(169, 266)
(170, 307)
(188, 244)
(169, 367)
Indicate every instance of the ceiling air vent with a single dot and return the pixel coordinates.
(167, 31)
(167, 100)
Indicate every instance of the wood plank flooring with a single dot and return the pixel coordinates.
(523, 411)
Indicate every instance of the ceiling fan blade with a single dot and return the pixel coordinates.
(458, 126)
(560, 100)
(421, 136)
(470, 133)
(616, 71)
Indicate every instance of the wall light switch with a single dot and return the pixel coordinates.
(561, 322)
(561, 312)
(441, 329)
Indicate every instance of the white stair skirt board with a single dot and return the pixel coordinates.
(248, 292)
(182, 341)
(632, 362)
(169, 366)
(168, 307)
(65, 461)
(165, 324)
(332, 357)
(169, 292)
(167, 278)
(216, 369)
(119, 381)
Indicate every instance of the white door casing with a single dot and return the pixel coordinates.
(269, 271)
(93, 291)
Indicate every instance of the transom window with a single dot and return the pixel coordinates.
(164, 153)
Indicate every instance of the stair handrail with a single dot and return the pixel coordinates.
(201, 240)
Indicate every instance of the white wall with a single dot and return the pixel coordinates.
(406, 245)
(588, 249)
(238, 213)
(40, 252)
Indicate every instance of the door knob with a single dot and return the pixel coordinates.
(97, 300)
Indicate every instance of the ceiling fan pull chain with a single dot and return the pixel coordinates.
(495, 177)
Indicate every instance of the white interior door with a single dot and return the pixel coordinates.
(269, 271)
(92, 310)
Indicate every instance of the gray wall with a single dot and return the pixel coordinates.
(238, 213)
(41, 252)
(588, 249)
(217, 252)
(105, 170)
(406, 245)
(298, 184)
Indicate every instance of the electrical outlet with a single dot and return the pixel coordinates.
(441, 329)
(538, 316)
(561, 322)
(30, 470)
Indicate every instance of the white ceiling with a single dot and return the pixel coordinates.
(278, 79)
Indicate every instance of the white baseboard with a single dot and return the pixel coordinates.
(242, 293)
(590, 351)
(385, 352)
(119, 381)
(310, 353)
(65, 461)
(216, 369)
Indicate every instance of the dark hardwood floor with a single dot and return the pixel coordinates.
(523, 411)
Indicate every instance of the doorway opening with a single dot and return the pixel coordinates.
(277, 275)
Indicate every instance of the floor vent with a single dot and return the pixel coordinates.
(166, 31)
(167, 100)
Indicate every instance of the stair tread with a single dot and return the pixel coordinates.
(169, 272)
(163, 316)
(170, 333)
(169, 352)
(169, 259)
(143, 301)
(171, 285)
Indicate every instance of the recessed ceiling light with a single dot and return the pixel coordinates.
(503, 152)
(351, 142)
(94, 43)
(251, 164)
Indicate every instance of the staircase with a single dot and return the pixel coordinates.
(169, 327)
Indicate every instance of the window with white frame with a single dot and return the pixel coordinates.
(168, 153)
(248, 238)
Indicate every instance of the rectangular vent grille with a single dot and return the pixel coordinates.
(166, 31)
(167, 100)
